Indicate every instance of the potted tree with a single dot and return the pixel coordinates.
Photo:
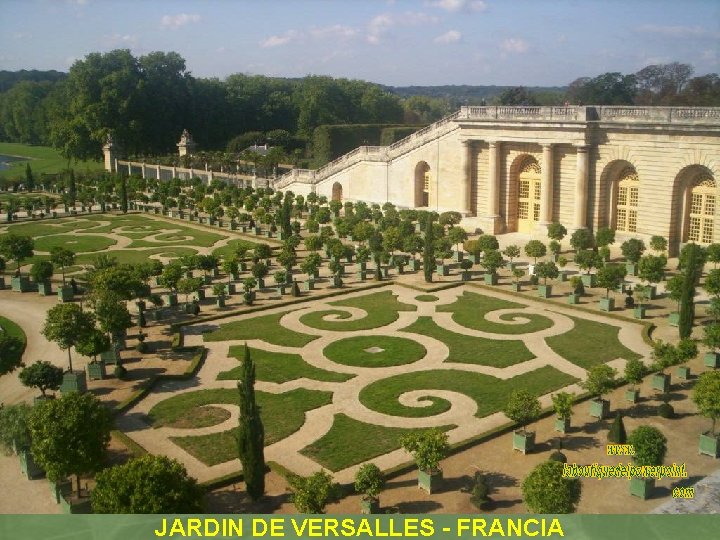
(604, 237)
(96, 342)
(280, 281)
(63, 258)
(712, 341)
(220, 294)
(651, 269)
(457, 236)
(428, 448)
(369, 481)
(517, 274)
(674, 287)
(577, 289)
(535, 249)
(42, 375)
(556, 232)
(249, 284)
(259, 271)
(41, 272)
(17, 248)
(465, 266)
(609, 277)
(545, 270)
(642, 293)
(562, 263)
(635, 370)
(511, 252)
(491, 261)
(474, 250)
(600, 380)
(587, 259)
(562, 403)
(650, 447)
(706, 396)
(523, 408)
(632, 250)
(665, 355)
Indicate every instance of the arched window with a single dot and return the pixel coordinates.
(627, 201)
(337, 191)
(701, 227)
(422, 184)
(528, 196)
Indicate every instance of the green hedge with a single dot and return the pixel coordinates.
(332, 141)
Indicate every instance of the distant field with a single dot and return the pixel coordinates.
(43, 159)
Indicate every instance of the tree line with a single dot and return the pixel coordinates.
(145, 102)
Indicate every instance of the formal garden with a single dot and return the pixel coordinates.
(229, 327)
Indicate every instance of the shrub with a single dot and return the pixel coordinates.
(479, 491)
(428, 448)
(546, 491)
(617, 432)
(311, 494)
(522, 407)
(369, 481)
(706, 396)
(650, 446)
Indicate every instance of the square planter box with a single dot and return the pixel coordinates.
(491, 279)
(429, 481)
(573, 298)
(674, 318)
(73, 506)
(516, 287)
(337, 281)
(260, 283)
(308, 285)
(171, 300)
(474, 257)
(110, 358)
(441, 269)
(639, 312)
(607, 304)
(683, 373)
(465, 276)
(28, 466)
(599, 408)
(281, 289)
(510, 266)
(523, 441)
(620, 288)
(96, 371)
(369, 506)
(156, 314)
(642, 487)
(632, 395)
(711, 359)
(45, 288)
(21, 284)
(589, 280)
(562, 425)
(220, 302)
(414, 265)
(362, 275)
(660, 381)
(231, 289)
(631, 268)
(58, 490)
(544, 291)
(458, 256)
(709, 445)
(562, 276)
(74, 382)
(200, 294)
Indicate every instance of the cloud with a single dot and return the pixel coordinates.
(380, 25)
(176, 21)
(335, 31)
(454, 6)
(451, 36)
(514, 45)
(122, 39)
(283, 39)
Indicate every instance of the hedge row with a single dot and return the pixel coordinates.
(332, 141)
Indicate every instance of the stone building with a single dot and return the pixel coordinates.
(640, 170)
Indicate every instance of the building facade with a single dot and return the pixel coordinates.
(642, 171)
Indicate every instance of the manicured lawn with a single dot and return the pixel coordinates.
(280, 367)
(282, 415)
(490, 393)
(473, 350)
(199, 417)
(134, 256)
(426, 298)
(333, 452)
(51, 226)
(43, 160)
(590, 343)
(265, 327)
(469, 311)
(382, 309)
(78, 243)
(232, 246)
(15, 331)
(353, 351)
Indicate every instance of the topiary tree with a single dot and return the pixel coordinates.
(632, 249)
(70, 435)
(15, 427)
(492, 261)
(635, 370)
(706, 396)
(587, 260)
(479, 491)
(457, 236)
(617, 434)
(711, 338)
(546, 270)
(42, 375)
(556, 232)
(562, 404)
(369, 481)
(546, 491)
(650, 446)
(581, 240)
(511, 252)
(251, 433)
(67, 325)
(428, 448)
(535, 249)
(610, 277)
(522, 408)
(604, 237)
(41, 271)
(94, 343)
(600, 380)
(659, 244)
(16, 248)
(311, 494)
(147, 485)
(651, 268)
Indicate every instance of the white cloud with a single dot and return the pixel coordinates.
(176, 21)
(450, 36)
(514, 45)
(283, 39)
(335, 31)
(380, 25)
(454, 6)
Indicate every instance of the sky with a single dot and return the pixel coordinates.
(393, 42)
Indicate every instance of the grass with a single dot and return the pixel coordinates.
(426, 298)
(15, 331)
(469, 311)
(590, 343)
(79, 243)
(280, 367)
(134, 256)
(382, 308)
(490, 393)
(282, 415)
(266, 328)
(333, 452)
(473, 350)
(229, 249)
(43, 159)
(397, 351)
(51, 226)
(200, 417)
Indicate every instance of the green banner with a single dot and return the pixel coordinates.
(145, 527)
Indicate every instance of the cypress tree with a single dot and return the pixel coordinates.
(251, 434)
(72, 188)
(691, 272)
(123, 195)
(617, 432)
(429, 249)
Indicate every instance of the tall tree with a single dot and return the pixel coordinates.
(251, 433)
(67, 325)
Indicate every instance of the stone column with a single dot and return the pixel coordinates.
(581, 187)
(494, 180)
(142, 169)
(467, 176)
(546, 186)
